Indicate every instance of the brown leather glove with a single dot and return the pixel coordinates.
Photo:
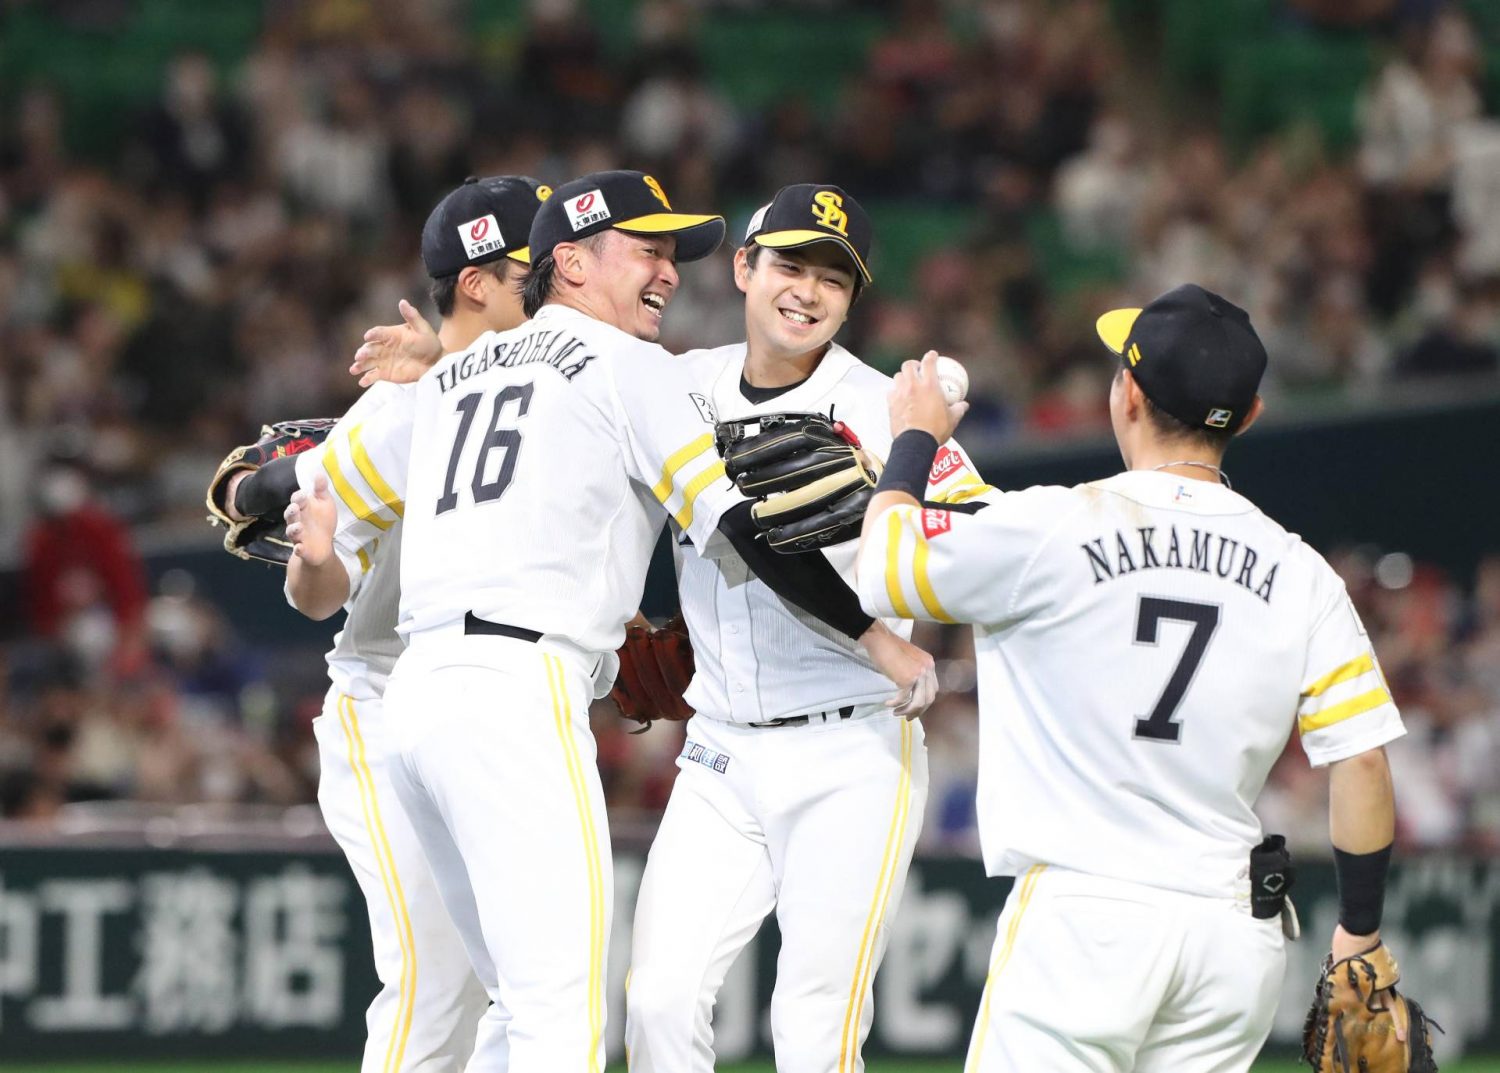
(656, 667)
(1355, 1014)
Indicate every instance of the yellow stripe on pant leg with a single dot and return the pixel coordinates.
(396, 1047)
(895, 838)
(1023, 899)
(562, 712)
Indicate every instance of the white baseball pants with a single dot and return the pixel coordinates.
(817, 821)
(423, 1018)
(496, 767)
(1093, 975)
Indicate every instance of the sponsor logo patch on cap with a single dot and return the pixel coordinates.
(481, 236)
(1218, 418)
(585, 210)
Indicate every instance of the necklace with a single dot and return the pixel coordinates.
(1201, 465)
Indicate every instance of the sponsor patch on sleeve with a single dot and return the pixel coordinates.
(946, 464)
(481, 236)
(586, 209)
(935, 522)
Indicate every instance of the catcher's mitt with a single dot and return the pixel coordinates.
(262, 537)
(656, 667)
(812, 478)
(1356, 1011)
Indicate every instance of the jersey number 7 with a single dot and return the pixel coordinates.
(1205, 619)
(508, 438)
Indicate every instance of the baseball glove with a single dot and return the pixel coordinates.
(811, 476)
(655, 669)
(262, 537)
(1351, 1027)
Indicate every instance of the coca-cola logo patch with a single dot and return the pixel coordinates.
(946, 464)
(935, 522)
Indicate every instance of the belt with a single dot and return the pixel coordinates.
(474, 624)
(802, 720)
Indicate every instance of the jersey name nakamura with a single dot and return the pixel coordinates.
(1143, 548)
(561, 350)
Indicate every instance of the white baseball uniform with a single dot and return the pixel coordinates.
(1145, 645)
(817, 820)
(540, 461)
(423, 1019)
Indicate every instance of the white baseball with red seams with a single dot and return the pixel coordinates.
(953, 377)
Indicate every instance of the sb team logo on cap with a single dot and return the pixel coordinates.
(828, 209)
(481, 236)
(586, 209)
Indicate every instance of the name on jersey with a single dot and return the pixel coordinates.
(555, 348)
(1147, 548)
(709, 758)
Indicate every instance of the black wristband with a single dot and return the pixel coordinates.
(268, 490)
(910, 462)
(1361, 879)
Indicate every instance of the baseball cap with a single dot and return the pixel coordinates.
(1194, 354)
(626, 201)
(482, 221)
(804, 213)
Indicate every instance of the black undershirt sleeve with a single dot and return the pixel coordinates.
(268, 490)
(807, 580)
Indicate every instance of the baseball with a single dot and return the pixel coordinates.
(953, 378)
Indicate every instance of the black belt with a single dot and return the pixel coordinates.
(802, 720)
(474, 624)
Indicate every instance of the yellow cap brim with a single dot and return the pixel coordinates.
(789, 240)
(697, 236)
(1114, 327)
(523, 255)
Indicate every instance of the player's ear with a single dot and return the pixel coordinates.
(742, 269)
(1135, 398)
(470, 284)
(568, 257)
(1257, 408)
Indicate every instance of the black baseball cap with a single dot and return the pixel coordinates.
(625, 201)
(482, 221)
(806, 213)
(1194, 354)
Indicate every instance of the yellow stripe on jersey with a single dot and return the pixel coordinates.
(385, 862)
(893, 564)
(924, 583)
(562, 713)
(675, 461)
(684, 517)
(1023, 898)
(965, 493)
(364, 554)
(964, 480)
(1353, 669)
(864, 965)
(372, 477)
(352, 499)
(1337, 713)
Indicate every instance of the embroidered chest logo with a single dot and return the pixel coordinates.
(828, 208)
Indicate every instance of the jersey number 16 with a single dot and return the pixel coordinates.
(507, 437)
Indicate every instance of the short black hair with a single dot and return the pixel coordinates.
(1175, 430)
(443, 290)
(537, 287)
(752, 255)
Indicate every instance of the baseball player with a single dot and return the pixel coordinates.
(1145, 645)
(531, 470)
(425, 1015)
(797, 790)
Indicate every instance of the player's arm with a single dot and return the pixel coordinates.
(317, 580)
(1362, 827)
(397, 353)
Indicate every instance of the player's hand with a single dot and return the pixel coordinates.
(397, 353)
(911, 668)
(917, 401)
(310, 522)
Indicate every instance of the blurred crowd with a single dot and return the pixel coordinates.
(218, 267)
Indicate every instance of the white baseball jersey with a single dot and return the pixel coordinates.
(1145, 645)
(530, 471)
(759, 658)
(365, 650)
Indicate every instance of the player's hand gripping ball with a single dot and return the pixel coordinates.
(954, 379)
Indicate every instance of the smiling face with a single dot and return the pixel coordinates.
(795, 300)
(631, 279)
